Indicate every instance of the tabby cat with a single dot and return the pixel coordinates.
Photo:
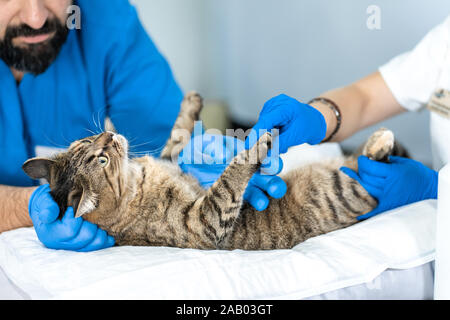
(151, 202)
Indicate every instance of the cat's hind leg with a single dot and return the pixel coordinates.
(380, 145)
(191, 107)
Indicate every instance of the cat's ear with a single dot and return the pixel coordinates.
(109, 125)
(38, 168)
(83, 202)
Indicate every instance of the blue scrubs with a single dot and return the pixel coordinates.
(110, 67)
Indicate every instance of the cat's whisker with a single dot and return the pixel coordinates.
(95, 124)
(146, 151)
(142, 144)
(140, 154)
(92, 132)
(93, 120)
(102, 114)
(152, 151)
(99, 121)
(69, 142)
(131, 140)
(56, 144)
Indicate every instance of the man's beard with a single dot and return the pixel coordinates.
(33, 58)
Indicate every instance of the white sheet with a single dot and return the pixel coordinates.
(400, 239)
(392, 284)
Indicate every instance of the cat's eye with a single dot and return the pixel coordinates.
(86, 141)
(103, 161)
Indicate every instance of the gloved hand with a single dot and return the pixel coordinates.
(297, 122)
(68, 233)
(394, 184)
(206, 157)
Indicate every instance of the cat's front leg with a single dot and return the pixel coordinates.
(222, 203)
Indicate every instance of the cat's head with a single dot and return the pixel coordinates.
(90, 171)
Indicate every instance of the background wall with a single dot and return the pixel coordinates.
(246, 51)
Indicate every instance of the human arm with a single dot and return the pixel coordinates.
(406, 82)
(362, 104)
(14, 207)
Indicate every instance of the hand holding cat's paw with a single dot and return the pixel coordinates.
(297, 123)
(258, 153)
(69, 233)
(401, 181)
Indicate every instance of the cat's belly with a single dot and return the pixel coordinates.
(319, 199)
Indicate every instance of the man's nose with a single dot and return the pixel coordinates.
(34, 13)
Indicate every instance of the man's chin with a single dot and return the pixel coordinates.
(34, 58)
(35, 63)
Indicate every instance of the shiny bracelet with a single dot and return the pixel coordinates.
(337, 112)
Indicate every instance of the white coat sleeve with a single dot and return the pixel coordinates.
(413, 76)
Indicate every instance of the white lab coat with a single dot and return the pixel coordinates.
(414, 76)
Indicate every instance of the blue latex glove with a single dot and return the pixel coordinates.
(394, 184)
(297, 123)
(68, 233)
(206, 157)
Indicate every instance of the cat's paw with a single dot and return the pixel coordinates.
(192, 104)
(380, 145)
(259, 151)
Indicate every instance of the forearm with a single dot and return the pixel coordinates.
(362, 104)
(14, 207)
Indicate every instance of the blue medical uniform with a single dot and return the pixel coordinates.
(110, 67)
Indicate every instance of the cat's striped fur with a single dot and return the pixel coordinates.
(151, 202)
